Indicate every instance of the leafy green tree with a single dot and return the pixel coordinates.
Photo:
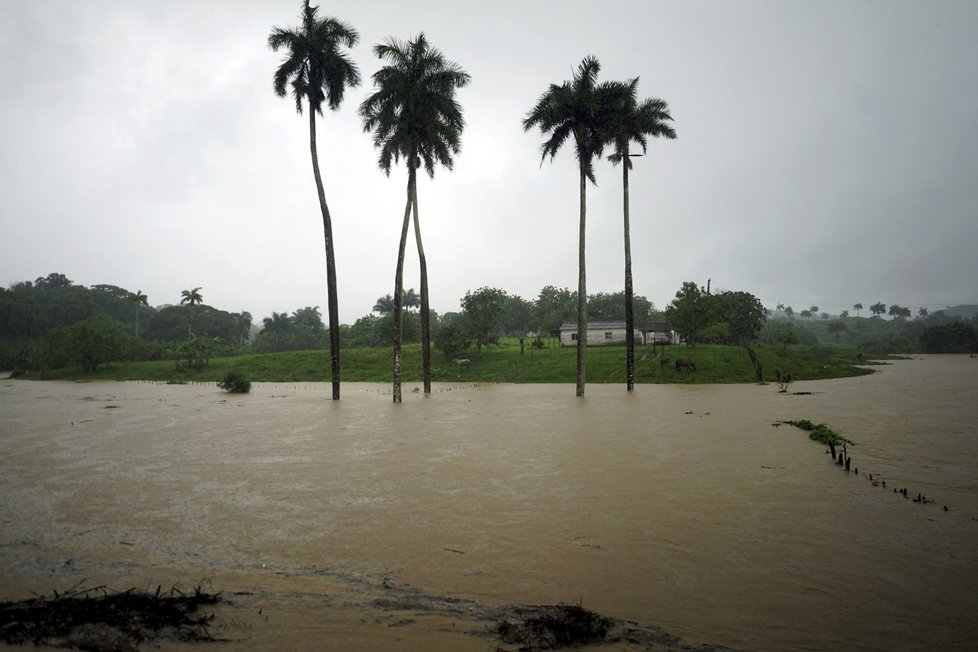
(53, 281)
(878, 308)
(789, 311)
(483, 311)
(553, 307)
(413, 114)
(170, 324)
(806, 314)
(844, 314)
(452, 341)
(636, 121)
(318, 71)
(517, 317)
(954, 337)
(836, 328)
(922, 313)
(688, 311)
(97, 341)
(586, 111)
(743, 312)
(783, 333)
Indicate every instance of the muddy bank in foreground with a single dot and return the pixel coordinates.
(679, 507)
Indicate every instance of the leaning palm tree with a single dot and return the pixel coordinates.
(585, 110)
(413, 115)
(636, 121)
(318, 71)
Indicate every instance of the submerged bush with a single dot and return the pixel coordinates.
(235, 383)
(819, 432)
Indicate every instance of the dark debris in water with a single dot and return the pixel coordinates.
(529, 628)
(99, 620)
(552, 627)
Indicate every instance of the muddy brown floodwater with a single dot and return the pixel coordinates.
(360, 525)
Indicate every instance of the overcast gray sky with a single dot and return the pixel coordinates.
(827, 153)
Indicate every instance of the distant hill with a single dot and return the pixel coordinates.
(964, 312)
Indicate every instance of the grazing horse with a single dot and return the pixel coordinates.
(683, 363)
(462, 364)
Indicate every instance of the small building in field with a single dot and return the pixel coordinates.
(658, 332)
(614, 333)
(599, 333)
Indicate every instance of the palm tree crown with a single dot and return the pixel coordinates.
(191, 297)
(581, 108)
(314, 66)
(413, 113)
(638, 120)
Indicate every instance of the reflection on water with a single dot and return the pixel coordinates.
(679, 506)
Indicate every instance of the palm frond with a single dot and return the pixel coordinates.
(413, 113)
(314, 66)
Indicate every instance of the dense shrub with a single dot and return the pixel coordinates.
(235, 383)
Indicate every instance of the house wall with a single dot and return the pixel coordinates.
(599, 337)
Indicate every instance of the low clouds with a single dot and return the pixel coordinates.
(827, 153)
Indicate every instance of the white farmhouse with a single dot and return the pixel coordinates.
(614, 333)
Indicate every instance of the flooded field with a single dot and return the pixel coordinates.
(361, 525)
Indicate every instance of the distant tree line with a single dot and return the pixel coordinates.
(927, 332)
(53, 322)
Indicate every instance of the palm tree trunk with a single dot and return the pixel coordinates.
(425, 316)
(629, 299)
(399, 285)
(332, 308)
(582, 294)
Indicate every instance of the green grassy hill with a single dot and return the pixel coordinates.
(500, 363)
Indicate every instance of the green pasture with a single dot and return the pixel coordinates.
(500, 363)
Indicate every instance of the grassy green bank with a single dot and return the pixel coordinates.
(501, 363)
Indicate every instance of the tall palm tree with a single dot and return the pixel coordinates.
(138, 298)
(318, 71)
(413, 115)
(857, 307)
(636, 121)
(191, 298)
(585, 110)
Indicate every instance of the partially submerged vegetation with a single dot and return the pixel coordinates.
(820, 432)
(100, 620)
(502, 363)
